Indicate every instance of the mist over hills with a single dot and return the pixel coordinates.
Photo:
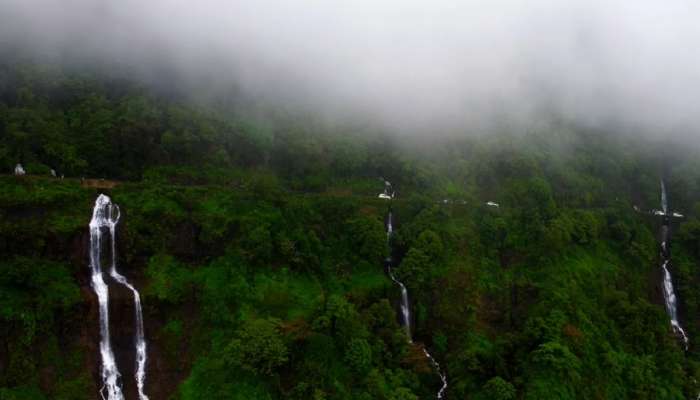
(388, 200)
(406, 65)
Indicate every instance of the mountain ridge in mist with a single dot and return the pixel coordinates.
(409, 66)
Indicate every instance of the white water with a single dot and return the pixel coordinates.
(442, 375)
(406, 315)
(388, 192)
(405, 309)
(19, 170)
(670, 299)
(102, 217)
(669, 292)
(139, 339)
(110, 217)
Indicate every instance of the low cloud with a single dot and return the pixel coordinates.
(411, 65)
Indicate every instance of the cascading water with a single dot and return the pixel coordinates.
(405, 308)
(669, 293)
(406, 313)
(106, 214)
(102, 217)
(442, 375)
(139, 339)
(670, 298)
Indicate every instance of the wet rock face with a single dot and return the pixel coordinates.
(89, 334)
(122, 327)
(121, 319)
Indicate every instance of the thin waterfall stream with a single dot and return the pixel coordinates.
(106, 215)
(668, 290)
(406, 312)
(405, 308)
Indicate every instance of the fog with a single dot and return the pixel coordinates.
(420, 66)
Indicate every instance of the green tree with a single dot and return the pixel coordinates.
(169, 279)
(368, 238)
(498, 388)
(430, 243)
(359, 355)
(414, 269)
(259, 347)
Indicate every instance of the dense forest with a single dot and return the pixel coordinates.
(258, 243)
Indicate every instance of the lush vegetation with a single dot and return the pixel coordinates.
(258, 245)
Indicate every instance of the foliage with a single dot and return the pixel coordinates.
(258, 347)
(259, 245)
(359, 355)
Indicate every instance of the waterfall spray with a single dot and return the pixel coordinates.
(102, 217)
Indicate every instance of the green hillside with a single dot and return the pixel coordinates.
(258, 246)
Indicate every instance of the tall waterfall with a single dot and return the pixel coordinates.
(106, 214)
(669, 293)
(102, 217)
(406, 313)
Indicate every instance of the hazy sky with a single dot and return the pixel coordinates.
(632, 63)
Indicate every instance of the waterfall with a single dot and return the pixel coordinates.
(442, 375)
(670, 299)
(111, 211)
(405, 309)
(102, 216)
(405, 303)
(669, 293)
(406, 313)
(139, 339)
